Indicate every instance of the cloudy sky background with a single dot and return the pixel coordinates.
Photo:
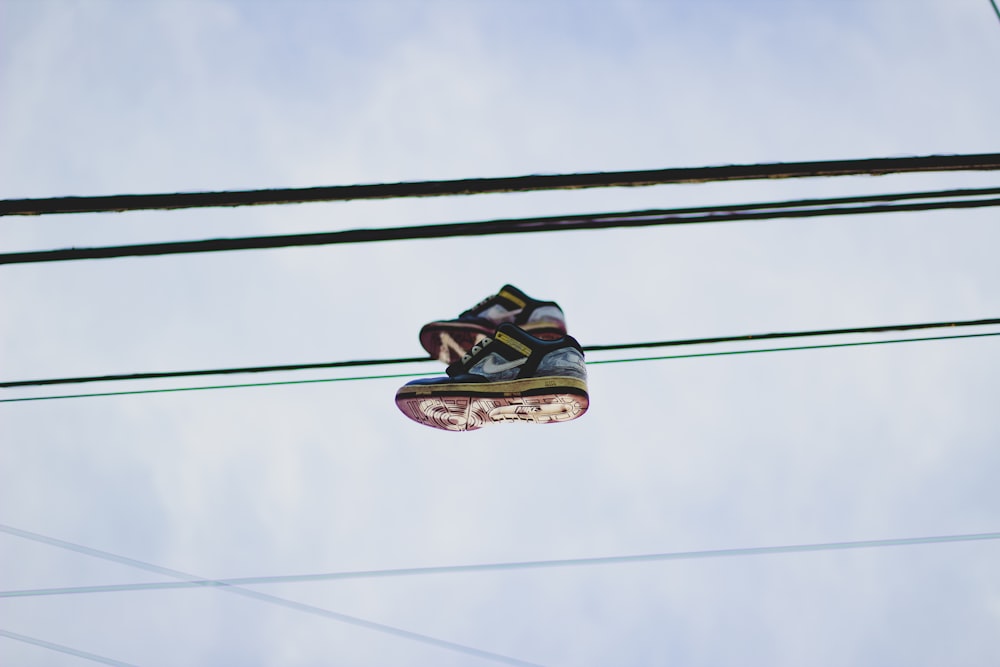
(109, 97)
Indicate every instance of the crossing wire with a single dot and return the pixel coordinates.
(505, 566)
(408, 375)
(472, 186)
(64, 649)
(586, 348)
(270, 599)
(628, 219)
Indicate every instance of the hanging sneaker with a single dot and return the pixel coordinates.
(448, 340)
(508, 376)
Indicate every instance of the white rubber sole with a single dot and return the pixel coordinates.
(467, 407)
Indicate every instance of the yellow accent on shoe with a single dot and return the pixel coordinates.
(507, 388)
(520, 303)
(513, 343)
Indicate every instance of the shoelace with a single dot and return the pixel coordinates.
(476, 349)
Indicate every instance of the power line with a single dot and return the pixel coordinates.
(471, 186)
(64, 649)
(407, 375)
(271, 599)
(587, 348)
(995, 8)
(218, 371)
(507, 566)
(170, 390)
(626, 219)
(828, 346)
(884, 328)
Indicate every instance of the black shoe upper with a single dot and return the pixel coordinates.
(511, 298)
(510, 343)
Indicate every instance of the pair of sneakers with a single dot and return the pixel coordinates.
(509, 358)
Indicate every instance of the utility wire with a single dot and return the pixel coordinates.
(995, 8)
(405, 375)
(507, 566)
(271, 599)
(587, 348)
(218, 371)
(627, 219)
(170, 390)
(471, 186)
(792, 349)
(64, 649)
(794, 334)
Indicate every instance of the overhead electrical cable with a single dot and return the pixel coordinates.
(216, 371)
(809, 208)
(473, 186)
(170, 390)
(507, 566)
(93, 657)
(271, 599)
(884, 328)
(405, 375)
(996, 9)
(797, 348)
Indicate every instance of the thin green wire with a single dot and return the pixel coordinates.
(217, 386)
(411, 375)
(792, 349)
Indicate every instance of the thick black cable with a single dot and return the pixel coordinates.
(697, 355)
(470, 186)
(271, 599)
(587, 348)
(680, 216)
(794, 334)
(217, 371)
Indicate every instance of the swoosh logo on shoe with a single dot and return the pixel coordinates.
(490, 366)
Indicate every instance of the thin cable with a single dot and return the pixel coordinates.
(794, 334)
(271, 599)
(64, 649)
(169, 390)
(404, 375)
(791, 349)
(995, 8)
(471, 186)
(218, 371)
(507, 566)
(627, 219)
(408, 360)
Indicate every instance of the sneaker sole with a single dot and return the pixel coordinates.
(448, 340)
(467, 407)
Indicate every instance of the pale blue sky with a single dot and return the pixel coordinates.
(889, 441)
